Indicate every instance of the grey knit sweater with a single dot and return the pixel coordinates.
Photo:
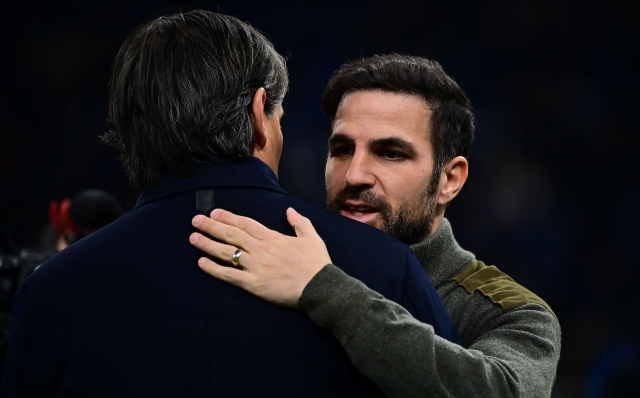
(512, 338)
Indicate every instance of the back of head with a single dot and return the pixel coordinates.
(452, 121)
(181, 89)
(86, 213)
(93, 209)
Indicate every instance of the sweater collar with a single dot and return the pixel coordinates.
(248, 173)
(441, 256)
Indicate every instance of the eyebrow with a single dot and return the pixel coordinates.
(340, 138)
(394, 142)
(387, 142)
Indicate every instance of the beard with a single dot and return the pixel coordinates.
(410, 223)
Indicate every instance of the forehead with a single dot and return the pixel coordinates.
(373, 114)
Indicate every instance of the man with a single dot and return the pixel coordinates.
(195, 108)
(87, 212)
(400, 128)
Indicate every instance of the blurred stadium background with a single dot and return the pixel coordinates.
(552, 197)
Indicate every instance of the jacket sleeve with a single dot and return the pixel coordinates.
(17, 347)
(405, 358)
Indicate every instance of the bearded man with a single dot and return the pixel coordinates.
(400, 131)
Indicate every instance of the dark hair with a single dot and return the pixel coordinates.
(93, 209)
(452, 120)
(181, 90)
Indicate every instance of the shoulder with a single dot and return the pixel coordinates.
(82, 263)
(57, 272)
(331, 225)
(497, 286)
(360, 248)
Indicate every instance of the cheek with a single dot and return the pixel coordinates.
(403, 188)
(332, 177)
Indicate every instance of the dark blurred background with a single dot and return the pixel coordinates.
(552, 194)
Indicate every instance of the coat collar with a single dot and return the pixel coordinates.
(249, 173)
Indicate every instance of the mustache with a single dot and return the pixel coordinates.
(362, 194)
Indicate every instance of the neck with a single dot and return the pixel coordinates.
(437, 221)
(437, 218)
(440, 254)
(269, 160)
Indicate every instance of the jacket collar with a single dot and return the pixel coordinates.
(249, 173)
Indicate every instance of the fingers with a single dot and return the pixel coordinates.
(246, 224)
(226, 233)
(303, 227)
(227, 274)
(216, 249)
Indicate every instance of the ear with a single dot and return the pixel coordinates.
(452, 179)
(258, 118)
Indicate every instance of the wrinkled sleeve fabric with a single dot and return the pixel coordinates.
(405, 358)
(18, 346)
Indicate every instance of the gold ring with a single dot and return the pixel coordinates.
(236, 257)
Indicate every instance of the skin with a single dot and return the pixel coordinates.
(267, 131)
(61, 244)
(379, 140)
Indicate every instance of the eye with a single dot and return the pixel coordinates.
(391, 154)
(342, 151)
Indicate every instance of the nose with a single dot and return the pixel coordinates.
(360, 171)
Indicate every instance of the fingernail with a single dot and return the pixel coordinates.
(215, 213)
(202, 261)
(193, 238)
(198, 219)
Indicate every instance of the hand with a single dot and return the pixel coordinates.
(273, 266)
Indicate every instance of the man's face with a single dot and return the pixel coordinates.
(380, 163)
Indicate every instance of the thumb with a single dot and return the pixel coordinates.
(301, 224)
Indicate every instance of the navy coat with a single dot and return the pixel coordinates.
(127, 312)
